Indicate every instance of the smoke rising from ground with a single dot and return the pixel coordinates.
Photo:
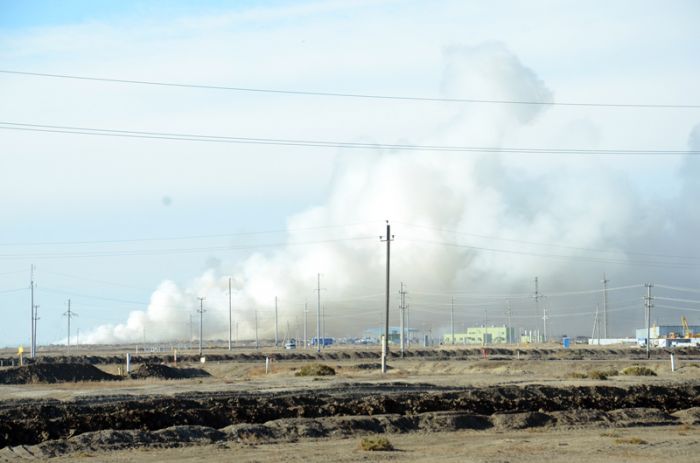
(577, 204)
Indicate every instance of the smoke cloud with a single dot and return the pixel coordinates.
(576, 205)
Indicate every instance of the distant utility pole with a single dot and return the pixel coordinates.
(318, 314)
(230, 317)
(36, 318)
(257, 340)
(201, 322)
(596, 324)
(452, 319)
(544, 322)
(306, 314)
(605, 282)
(537, 296)
(408, 327)
(509, 316)
(402, 318)
(276, 326)
(32, 316)
(648, 305)
(385, 344)
(69, 314)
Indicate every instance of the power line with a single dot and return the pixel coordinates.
(178, 238)
(351, 95)
(679, 288)
(169, 251)
(576, 248)
(558, 256)
(94, 280)
(676, 308)
(87, 296)
(675, 299)
(2, 291)
(332, 143)
(472, 295)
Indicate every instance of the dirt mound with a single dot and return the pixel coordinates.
(690, 416)
(350, 409)
(58, 373)
(371, 366)
(111, 439)
(160, 371)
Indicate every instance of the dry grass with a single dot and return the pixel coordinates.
(631, 441)
(315, 369)
(598, 374)
(637, 370)
(373, 444)
(610, 434)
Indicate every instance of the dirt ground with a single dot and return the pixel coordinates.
(552, 406)
(658, 444)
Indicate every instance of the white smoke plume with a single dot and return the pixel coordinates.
(548, 199)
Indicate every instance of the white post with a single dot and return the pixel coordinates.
(673, 362)
(128, 363)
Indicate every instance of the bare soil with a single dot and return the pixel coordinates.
(52, 373)
(528, 405)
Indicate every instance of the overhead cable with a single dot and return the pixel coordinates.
(352, 95)
(74, 130)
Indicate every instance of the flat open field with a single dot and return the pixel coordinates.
(456, 404)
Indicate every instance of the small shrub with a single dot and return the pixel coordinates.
(637, 370)
(593, 374)
(597, 374)
(315, 369)
(373, 444)
(630, 440)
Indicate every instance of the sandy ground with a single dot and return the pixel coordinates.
(252, 377)
(649, 444)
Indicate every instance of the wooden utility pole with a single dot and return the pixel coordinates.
(201, 322)
(385, 343)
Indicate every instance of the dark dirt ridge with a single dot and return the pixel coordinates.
(47, 373)
(60, 373)
(293, 429)
(472, 353)
(160, 371)
(30, 422)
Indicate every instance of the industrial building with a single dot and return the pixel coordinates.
(661, 333)
(483, 335)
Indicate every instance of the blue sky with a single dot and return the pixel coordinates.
(18, 14)
(95, 191)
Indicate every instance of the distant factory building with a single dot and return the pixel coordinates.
(662, 332)
(483, 335)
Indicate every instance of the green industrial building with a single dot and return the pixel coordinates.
(483, 335)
